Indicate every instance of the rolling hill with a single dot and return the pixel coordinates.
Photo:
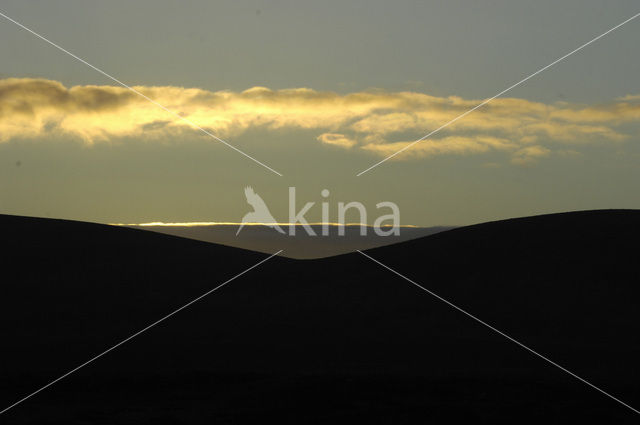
(332, 340)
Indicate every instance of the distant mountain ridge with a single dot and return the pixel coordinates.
(301, 245)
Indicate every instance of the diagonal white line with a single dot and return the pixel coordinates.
(499, 94)
(137, 333)
(186, 120)
(500, 332)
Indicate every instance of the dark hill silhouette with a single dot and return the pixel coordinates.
(332, 340)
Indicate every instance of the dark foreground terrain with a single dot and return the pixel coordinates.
(335, 340)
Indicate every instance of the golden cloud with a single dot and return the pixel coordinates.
(369, 121)
(529, 154)
(336, 139)
(446, 145)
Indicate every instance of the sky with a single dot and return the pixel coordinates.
(318, 91)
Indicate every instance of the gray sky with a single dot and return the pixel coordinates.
(566, 142)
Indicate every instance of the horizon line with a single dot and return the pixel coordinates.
(230, 223)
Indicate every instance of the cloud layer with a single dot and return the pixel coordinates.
(377, 122)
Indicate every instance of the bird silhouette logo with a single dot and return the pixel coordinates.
(260, 213)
